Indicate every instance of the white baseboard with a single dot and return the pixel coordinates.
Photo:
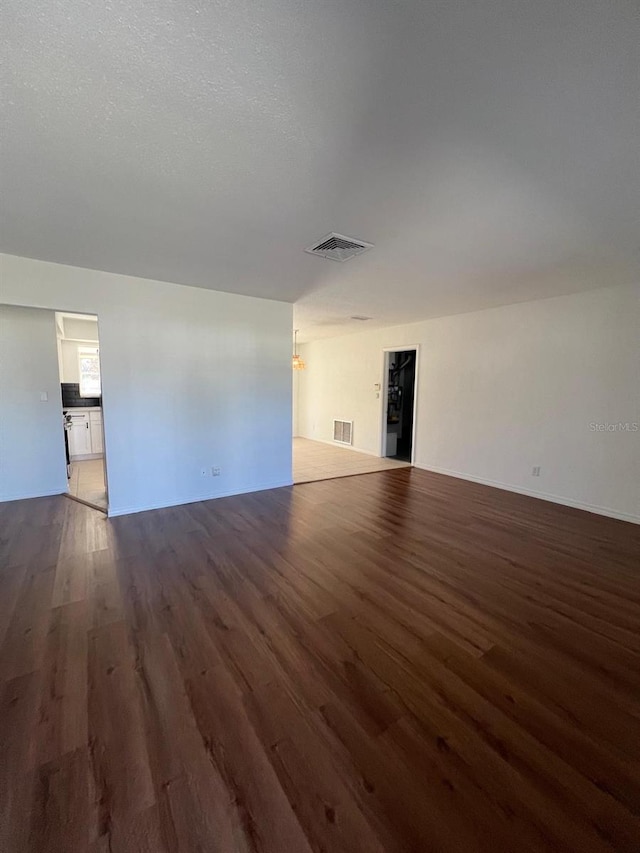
(532, 493)
(192, 499)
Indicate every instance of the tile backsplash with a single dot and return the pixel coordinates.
(71, 396)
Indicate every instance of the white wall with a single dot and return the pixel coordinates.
(32, 459)
(503, 390)
(80, 330)
(82, 333)
(191, 379)
(70, 365)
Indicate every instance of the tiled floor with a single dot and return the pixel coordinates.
(88, 483)
(314, 460)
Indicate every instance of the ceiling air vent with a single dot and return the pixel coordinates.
(337, 247)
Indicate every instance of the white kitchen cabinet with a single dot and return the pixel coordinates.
(79, 434)
(85, 435)
(95, 428)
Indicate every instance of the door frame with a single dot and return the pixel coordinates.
(384, 385)
(95, 314)
(104, 442)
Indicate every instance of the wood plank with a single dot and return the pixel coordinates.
(24, 641)
(62, 724)
(399, 662)
(117, 745)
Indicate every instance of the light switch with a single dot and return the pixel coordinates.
(44, 397)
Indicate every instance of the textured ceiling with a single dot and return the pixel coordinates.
(489, 149)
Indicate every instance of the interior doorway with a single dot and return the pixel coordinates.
(81, 390)
(399, 403)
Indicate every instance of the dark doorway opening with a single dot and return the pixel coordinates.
(400, 404)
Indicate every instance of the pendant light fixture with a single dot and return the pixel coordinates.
(297, 362)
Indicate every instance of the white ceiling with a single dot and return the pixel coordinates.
(489, 149)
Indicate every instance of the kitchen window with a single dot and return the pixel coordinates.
(89, 364)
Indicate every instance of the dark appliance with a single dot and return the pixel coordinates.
(66, 426)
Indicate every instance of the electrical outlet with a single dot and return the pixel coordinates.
(215, 472)
(535, 471)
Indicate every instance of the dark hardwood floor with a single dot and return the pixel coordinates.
(393, 662)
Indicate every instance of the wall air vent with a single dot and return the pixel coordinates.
(343, 432)
(337, 247)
